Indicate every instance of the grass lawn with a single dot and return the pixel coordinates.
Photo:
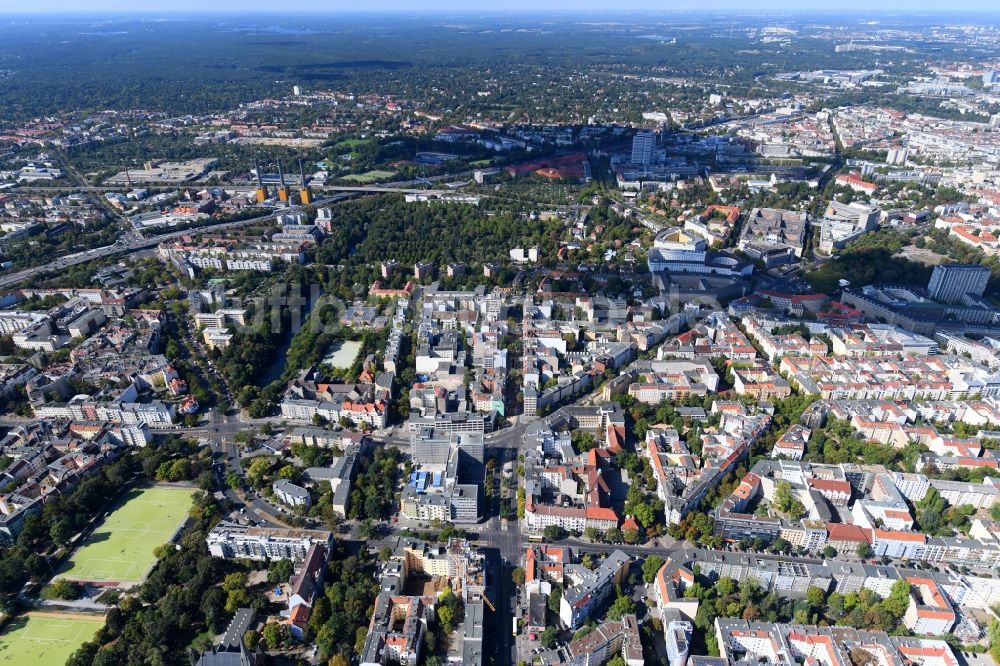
(342, 353)
(121, 548)
(352, 143)
(42, 639)
(480, 163)
(369, 176)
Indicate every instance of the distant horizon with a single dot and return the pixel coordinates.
(898, 8)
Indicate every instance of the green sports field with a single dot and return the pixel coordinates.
(351, 143)
(45, 640)
(121, 548)
(369, 176)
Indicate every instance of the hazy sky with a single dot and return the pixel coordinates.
(868, 6)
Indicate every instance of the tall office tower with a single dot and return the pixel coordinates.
(642, 147)
(950, 282)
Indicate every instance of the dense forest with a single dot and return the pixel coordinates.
(875, 259)
(194, 66)
(375, 229)
(871, 260)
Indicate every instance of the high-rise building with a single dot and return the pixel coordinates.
(843, 223)
(678, 641)
(897, 156)
(324, 219)
(643, 145)
(430, 447)
(447, 485)
(950, 282)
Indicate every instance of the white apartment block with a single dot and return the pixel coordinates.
(233, 541)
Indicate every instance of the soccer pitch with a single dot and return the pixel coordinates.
(369, 176)
(121, 548)
(43, 639)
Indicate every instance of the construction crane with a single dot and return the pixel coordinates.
(486, 600)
